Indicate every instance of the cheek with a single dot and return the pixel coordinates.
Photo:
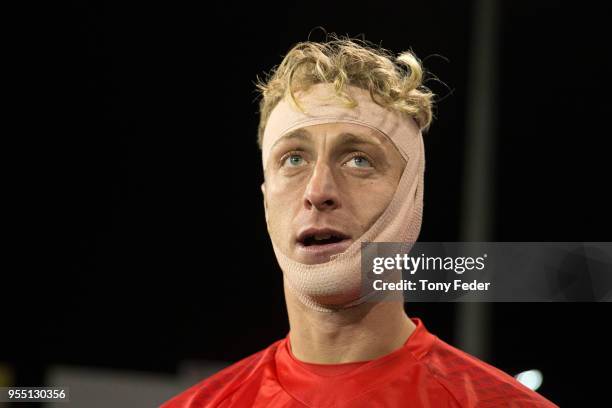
(281, 201)
(282, 196)
(370, 201)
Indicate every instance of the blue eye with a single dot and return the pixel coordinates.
(359, 161)
(294, 160)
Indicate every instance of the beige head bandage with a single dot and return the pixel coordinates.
(337, 284)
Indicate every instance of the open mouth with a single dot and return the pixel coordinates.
(317, 245)
(322, 239)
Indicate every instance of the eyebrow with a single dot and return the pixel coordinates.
(298, 134)
(351, 138)
(346, 137)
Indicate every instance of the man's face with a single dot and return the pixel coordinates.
(325, 185)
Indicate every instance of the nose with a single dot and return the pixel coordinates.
(322, 191)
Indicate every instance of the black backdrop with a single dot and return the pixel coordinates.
(134, 176)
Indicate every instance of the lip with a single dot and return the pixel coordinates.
(314, 254)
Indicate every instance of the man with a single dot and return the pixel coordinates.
(342, 151)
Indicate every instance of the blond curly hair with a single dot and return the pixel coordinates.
(344, 61)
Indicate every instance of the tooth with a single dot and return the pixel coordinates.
(322, 237)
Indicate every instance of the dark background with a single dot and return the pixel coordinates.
(134, 177)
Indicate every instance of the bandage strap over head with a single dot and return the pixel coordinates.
(336, 284)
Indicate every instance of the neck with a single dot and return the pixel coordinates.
(359, 333)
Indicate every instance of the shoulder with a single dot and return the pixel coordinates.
(223, 382)
(474, 383)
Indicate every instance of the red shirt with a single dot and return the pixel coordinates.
(425, 372)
